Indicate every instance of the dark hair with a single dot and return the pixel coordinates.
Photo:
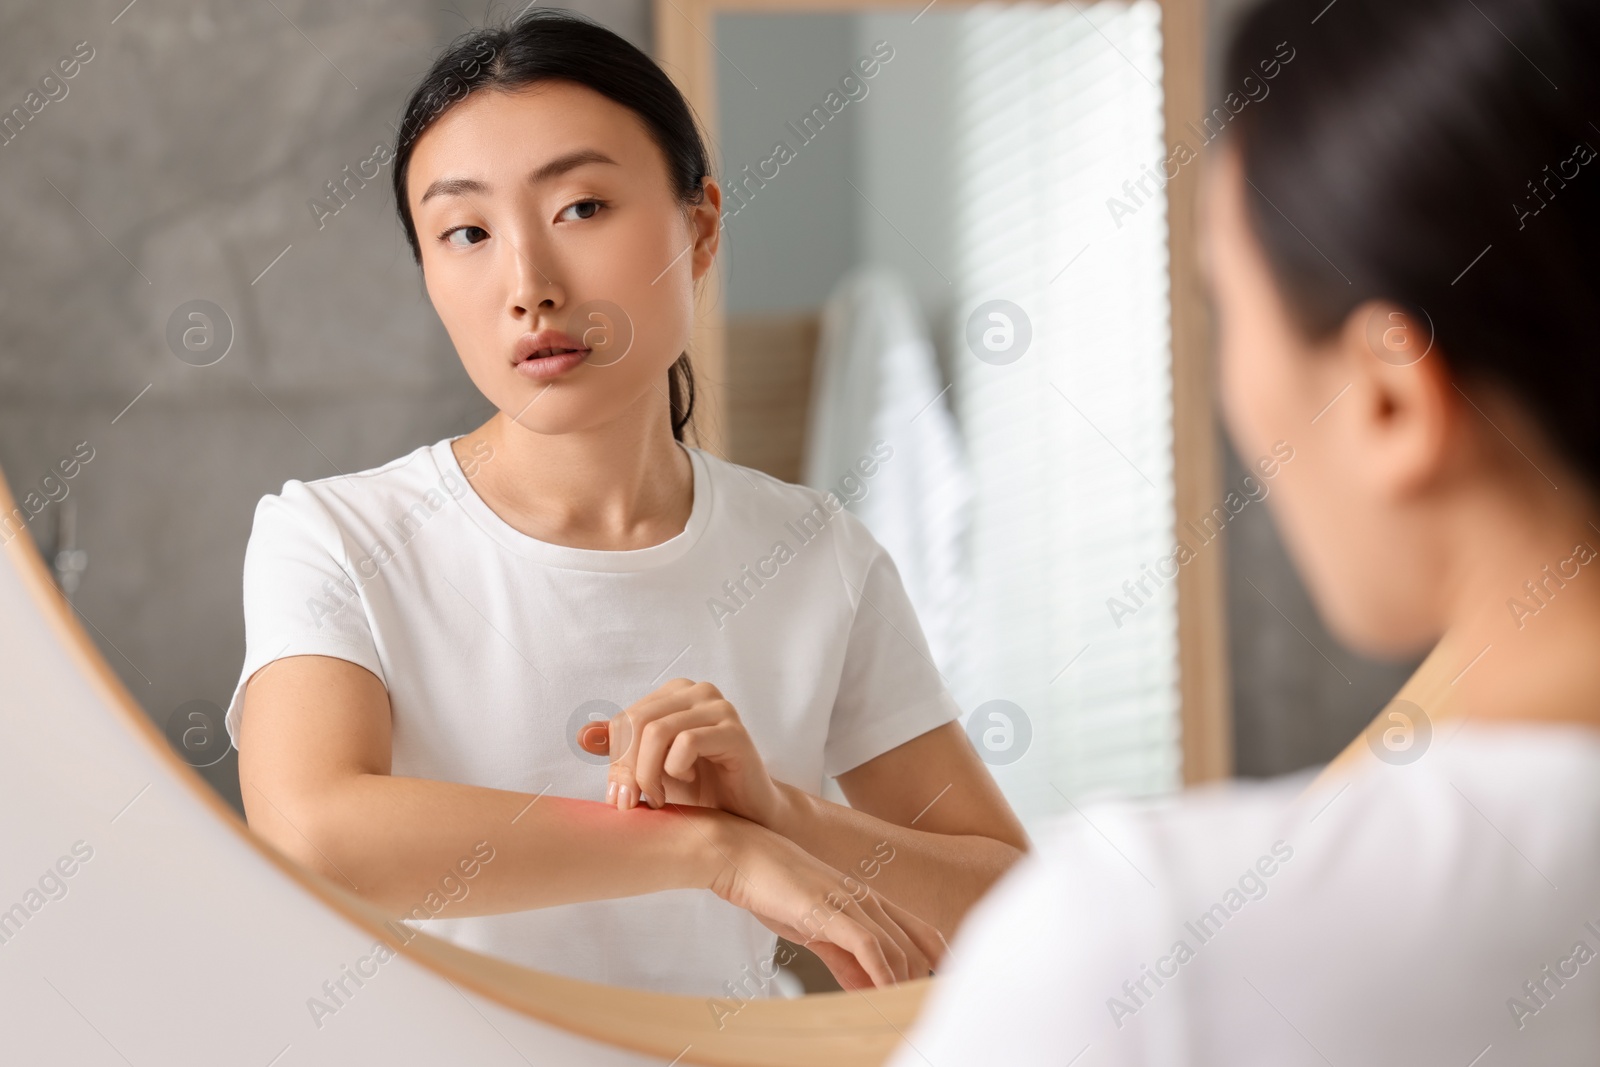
(551, 43)
(1420, 152)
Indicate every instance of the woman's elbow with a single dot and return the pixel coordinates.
(298, 829)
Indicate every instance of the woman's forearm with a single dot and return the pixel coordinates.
(396, 841)
(936, 877)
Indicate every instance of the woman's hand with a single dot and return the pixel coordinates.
(684, 744)
(864, 938)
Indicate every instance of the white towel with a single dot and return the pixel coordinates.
(877, 378)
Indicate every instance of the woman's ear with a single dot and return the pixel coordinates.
(1402, 413)
(705, 220)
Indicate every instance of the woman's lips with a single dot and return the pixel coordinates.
(542, 368)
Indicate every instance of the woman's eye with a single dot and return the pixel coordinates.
(593, 207)
(448, 236)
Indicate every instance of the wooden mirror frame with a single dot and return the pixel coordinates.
(686, 48)
(834, 1029)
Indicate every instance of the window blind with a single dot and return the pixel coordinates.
(1070, 445)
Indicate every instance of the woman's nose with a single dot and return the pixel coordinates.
(534, 285)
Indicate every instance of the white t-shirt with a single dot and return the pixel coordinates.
(1405, 918)
(495, 646)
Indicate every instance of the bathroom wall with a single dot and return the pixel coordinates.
(806, 208)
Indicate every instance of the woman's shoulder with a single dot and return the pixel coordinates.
(337, 500)
(1190, 838)
(769, 504)
(1534, 783)
(420, 461)
(1131, 921)
(1533, 789)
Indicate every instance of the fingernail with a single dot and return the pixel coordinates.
(646, 801)
(611, 793)
(626, 796)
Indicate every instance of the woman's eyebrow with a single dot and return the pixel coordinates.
(553, 169)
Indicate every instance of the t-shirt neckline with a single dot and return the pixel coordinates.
(566, 556)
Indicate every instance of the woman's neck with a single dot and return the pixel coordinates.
(624, 485)
(1523, 612)
(1521, 628)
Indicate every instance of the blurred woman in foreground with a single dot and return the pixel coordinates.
(1403, 246)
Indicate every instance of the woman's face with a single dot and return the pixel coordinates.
(551, 208)
(1362, 429)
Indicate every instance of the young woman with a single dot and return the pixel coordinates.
(428, 639)
(1404, 247)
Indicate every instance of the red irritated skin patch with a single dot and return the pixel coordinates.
(586, 820)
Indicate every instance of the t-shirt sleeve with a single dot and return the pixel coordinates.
(890, 690)
(300, 597)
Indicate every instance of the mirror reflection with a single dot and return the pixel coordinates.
(646, 552)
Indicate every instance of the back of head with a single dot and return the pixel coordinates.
(1441, 155)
